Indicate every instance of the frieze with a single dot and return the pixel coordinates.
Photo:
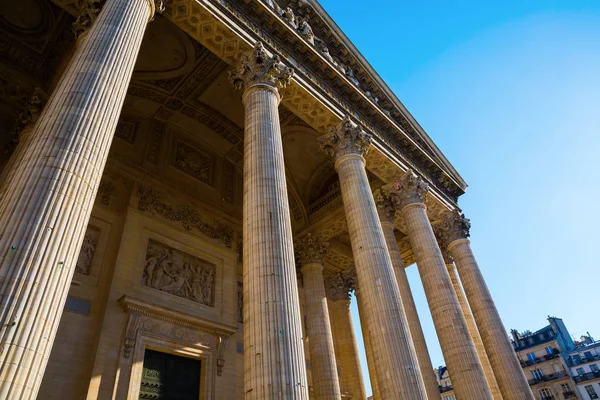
(150, 200)
(175, 272)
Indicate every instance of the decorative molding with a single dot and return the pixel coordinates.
(85, 259)
(346, 138)
(259, 67)
(175, 272)
(385, 206)
(150, 200)
(184, 327)
(339, 286)
(408, 189)
(310, 250)
(193, 162)
(127, 130)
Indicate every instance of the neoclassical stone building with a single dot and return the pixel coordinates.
(191, 189)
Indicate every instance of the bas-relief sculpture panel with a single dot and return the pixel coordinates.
(86, 253)
(179, 273)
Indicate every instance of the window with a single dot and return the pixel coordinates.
(531, 357)
(565, 387)
(580, 371)
(546, 394)
(549, 351)
(537, 374)
(449, 397)
(594, 368)
(591, 392)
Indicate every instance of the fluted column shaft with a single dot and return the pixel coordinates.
(371, 364)
(346, 348)
(52, 192)
(325, 379)
(483, 358)
(410, 309)
(507, 369)
(274, 361)
(398, 373)
(467, 374)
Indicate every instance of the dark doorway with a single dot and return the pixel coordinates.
(169, 377)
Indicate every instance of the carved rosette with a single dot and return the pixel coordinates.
(339, 286)
(385, 206)
(346, 138)
(454, 227)
(409, 189)
(311, 250)
(258, 67)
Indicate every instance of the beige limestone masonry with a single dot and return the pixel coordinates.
(510, 377)
(346, 348)
(398, 372)
(52, 192)
(366, 334)
(273, 342)
(464, 305)
(468, 378)
(325, 381)
(387, 214)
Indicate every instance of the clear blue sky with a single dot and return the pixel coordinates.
(510, 92)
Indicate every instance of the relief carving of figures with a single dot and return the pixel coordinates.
(305, 30)
(86, 254)
(179, 273)
(289, 17)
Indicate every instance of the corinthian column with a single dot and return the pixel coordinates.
(507, 369)
(473, 331)
(346, 349)
(50, 198)
(322, 352)
(274, 364)
(387, 214)
(398, 373)
(366, 334)
(468, 379)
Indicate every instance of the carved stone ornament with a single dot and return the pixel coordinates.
(346, 138)
(257, 67)
(454, 227)
(385, 206)
(179, 273)
(30, 113)
(89, 13)
(409, 189)
(339, 286)
(442, 239)
(150, 200)
(311, 250)
(86, 253)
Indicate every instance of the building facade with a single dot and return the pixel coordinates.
(444, 383)
(584, 364)
(191, 189)
(544, 356)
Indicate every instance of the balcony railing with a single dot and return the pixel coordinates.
(538, 360)
(444, 389)
(569, 394)
(572, 362)
(546, 378)
(324, 200)
(586, 377)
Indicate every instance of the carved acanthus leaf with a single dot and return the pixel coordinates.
(454, 226)
(311, 250)
(30, 113)
(89, 13)
(408, 189)
(385, 206)
(258, 66)
(346, 138)
(339, 286)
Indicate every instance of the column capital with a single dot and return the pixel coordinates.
(311, 250)
(385, 206)
(406, 190)
(257, 67)
(344, 139)
(455, 226)
(26, 118)
(340, 285)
